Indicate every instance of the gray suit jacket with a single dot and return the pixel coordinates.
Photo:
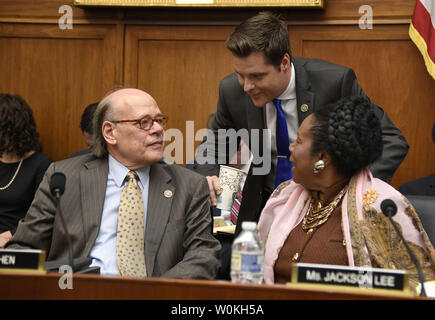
(318, 83)
(178, 239)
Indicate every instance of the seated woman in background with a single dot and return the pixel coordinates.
(22, 166)
(330, 212)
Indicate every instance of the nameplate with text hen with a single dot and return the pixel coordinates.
(22, 261)
(359, 277)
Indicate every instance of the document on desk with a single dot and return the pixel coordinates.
(221, 226)
(429, 287)
(225, 229)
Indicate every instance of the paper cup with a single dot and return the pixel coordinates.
(229, 179)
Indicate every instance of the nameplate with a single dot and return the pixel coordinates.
(15, 260)
(359, 277)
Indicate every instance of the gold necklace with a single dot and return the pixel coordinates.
(315, 218)
(13, 178)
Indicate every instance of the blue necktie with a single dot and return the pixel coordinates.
(284, 166)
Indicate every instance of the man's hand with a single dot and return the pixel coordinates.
(4, 238)
(215, 189)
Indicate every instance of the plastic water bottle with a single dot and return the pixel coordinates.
(247, 255)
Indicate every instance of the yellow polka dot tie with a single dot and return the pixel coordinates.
(130, 233)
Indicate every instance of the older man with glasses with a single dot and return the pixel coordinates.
(128, 211)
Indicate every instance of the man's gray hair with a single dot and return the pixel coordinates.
(103, 113)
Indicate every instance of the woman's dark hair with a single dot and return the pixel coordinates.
(17, 126)
(265, 33)
(350, 132)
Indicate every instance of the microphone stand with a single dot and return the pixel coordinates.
(413, 257)
(57, 187)
(68, 238)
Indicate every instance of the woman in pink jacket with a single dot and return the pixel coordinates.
(330, 212)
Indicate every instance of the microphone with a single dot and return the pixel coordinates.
(57, 184)
(389, 209)
(79, 265)
(57, 188)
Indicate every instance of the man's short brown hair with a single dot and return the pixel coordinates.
(265, 33)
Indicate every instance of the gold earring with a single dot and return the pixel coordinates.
(319, 166)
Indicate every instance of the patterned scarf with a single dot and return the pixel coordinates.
(370, 238)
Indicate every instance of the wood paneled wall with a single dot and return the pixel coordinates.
(180, 66)
(391, 72)
(179, 56)
(58, 73)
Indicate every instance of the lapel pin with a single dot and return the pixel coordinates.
(167, 193)
(304, 107)
(369, 196)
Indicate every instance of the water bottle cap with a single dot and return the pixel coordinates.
(249, 225)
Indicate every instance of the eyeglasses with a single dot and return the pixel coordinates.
(147, 122)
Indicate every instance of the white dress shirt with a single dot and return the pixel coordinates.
(288, 104)
(103, 253)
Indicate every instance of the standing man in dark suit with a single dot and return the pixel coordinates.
(266, 70)
(170, 208)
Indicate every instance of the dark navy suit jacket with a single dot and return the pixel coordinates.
(422, 187)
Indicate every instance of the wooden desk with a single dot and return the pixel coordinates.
(46, 286)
